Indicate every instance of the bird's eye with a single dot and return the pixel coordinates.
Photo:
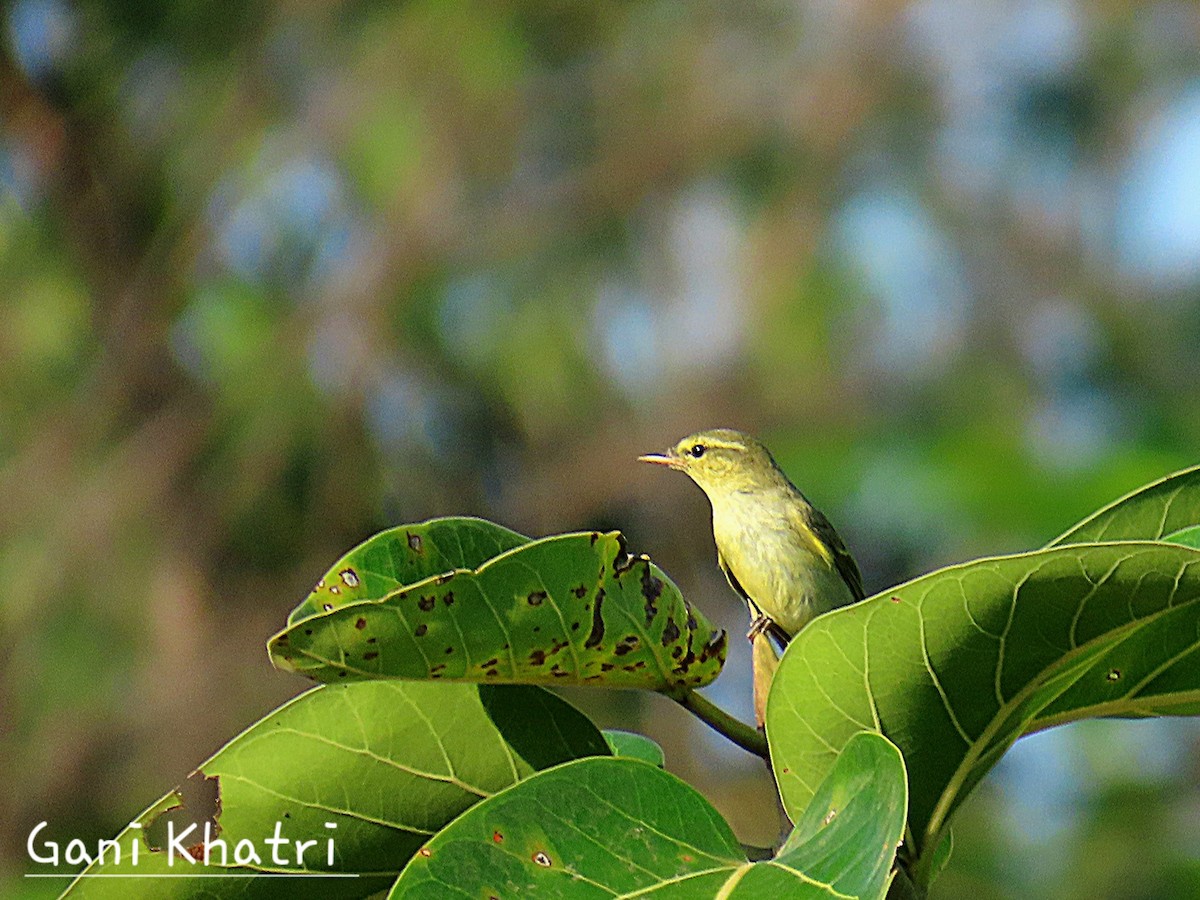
(697, 450)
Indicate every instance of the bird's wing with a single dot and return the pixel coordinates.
(824, 531)
(736, 585)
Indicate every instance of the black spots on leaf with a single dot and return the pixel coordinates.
(402, 595)
(715, 648)
(627, 644)
(580, 591)
(414, 542)
(449, 598)
(557, 646)
(370, 655)
(677, 651)
(492, 673)
(372, 640)
(443, 578)
(689, 656)
(361, 623)
(425, 604)
(349, 578)
(537, 657)
(542, 860)
(434, 670)
(595, 537)
(597, 633)
(897, 600)
(607, 667)
(449, 650)
(652, 589)
(633, 667)
(1113, 675)
(327, 606)
(685, 663)
(574, 626)
(494, 661)
(308, 632)
(341, 674)
(558, 671)
(536, 598)
(282, 639)
(537, 628)
(506, 647)
(623, 563)
(421, 629)
(334, 589)
(670, 633)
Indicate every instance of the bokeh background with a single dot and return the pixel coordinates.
(275, 275)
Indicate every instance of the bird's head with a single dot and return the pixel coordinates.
(722, 461)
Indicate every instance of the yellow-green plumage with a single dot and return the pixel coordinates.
(779, 552)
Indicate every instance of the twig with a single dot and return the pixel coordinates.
(749, 739)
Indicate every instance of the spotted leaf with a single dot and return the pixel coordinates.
(568, 609)
(404, 555)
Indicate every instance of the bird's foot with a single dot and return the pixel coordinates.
(760, 625)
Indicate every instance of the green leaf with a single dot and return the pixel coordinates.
(404, 555)
(956, 665)
(568, 609)
(1189, 537)
(1147, 514)
(389, 763)
(604, 827)
(630, 745)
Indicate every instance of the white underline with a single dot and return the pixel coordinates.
(195, 875)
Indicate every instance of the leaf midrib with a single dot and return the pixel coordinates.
(986, 738)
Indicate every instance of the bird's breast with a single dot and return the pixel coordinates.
(779, 570)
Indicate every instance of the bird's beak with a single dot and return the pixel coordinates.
(661, 459)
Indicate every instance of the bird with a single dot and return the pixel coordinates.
(778, 552)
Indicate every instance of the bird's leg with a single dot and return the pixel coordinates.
(759, 625)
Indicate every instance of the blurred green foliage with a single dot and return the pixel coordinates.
(275, 277)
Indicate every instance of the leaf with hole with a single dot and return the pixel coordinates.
(404, 555)
(956, 665)
(568, 609)
(618, 827)
(388, 763)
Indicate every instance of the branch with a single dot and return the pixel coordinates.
(749, 739)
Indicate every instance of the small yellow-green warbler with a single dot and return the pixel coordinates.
(777, 550)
